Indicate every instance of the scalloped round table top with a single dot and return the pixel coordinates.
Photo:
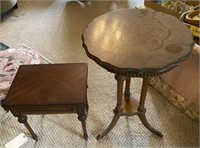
(137, 39)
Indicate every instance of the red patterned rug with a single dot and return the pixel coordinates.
(11, 59)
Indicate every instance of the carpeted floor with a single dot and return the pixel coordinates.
(54, 28)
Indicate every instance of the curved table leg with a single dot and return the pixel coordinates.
(142, 109)
(148, 126)
(118, 110)
(110, 127)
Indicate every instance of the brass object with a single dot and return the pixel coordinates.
(177, 5)
(193, 17)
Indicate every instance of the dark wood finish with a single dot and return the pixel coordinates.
(136, 43)
(160, 42)
(188, 72)
(127, 88)
(23, 119)
(185, 79)
(142, 109)
(49, 89)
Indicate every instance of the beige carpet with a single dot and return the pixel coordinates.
(54, 28)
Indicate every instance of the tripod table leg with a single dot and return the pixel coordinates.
(118, 110)
(142, 109)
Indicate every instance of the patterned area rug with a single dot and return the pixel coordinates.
(11, 59)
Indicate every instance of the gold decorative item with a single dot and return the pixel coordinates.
(192, 19)
(177, 5)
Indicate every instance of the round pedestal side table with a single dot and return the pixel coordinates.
(136, 43)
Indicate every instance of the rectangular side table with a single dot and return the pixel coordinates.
(49, 89)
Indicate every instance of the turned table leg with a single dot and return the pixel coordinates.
(82, 117)
(118, 110)
(142, 109)
(127, 88)
(23, 119)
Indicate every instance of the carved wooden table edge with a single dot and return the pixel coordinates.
(133, 72)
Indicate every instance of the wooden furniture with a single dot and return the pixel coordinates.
(181, 85)
(49, 89)
(188, 70)
(156, 5)
(136, 43)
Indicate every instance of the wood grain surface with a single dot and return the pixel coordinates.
(137, 41)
